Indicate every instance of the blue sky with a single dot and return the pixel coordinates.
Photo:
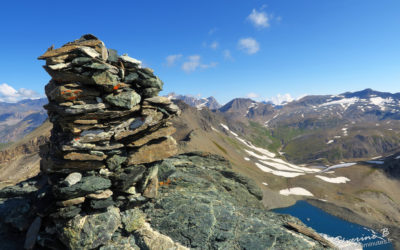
(221, 48)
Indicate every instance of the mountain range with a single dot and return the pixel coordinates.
(354, 136)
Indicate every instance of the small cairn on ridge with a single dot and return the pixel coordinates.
(109, 125)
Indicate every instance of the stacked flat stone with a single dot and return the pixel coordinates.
(109, 125)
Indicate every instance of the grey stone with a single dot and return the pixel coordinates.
(87, 185)
(18, 190)
(90, 52)
(131, 77)
(15, 212)
(101, 203)
(86, 108)
(112, 56)
(95, 136)
(106, 79)
(32, 233)
(81, 60)
(127, 99)
(149, 92)
(129, 61)
(73, 178)
(115, 162)
(152, 83)
(90, 231)
(127, 177)
(97, 66)
(66, 212)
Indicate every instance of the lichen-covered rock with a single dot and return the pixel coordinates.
(87, 185)
(90, 231)
(22, 189)
(133, 219)
(121, 243)
(153, 240)
(202, 205)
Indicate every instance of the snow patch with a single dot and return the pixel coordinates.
(216, 130)
(227, 128)
(340, 179)
(380, 102)
(330, 141)
(277, 173)
(295, 191)
(246, 159)
(344, 103)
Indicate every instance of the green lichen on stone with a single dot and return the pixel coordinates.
(133, 219)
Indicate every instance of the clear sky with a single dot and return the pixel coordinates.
(223, 48)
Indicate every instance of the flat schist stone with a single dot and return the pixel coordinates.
(158, 100)
(66, 166)
(69, 47)
(153, 152)
(140, 124)
(74, 156)
(159, 133)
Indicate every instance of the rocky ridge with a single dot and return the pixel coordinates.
(201, 204)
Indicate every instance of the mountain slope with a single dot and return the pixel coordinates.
(326, 128)
(19, 119)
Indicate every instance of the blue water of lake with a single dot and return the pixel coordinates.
(336, 228)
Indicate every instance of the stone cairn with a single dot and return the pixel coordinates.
(109, 125)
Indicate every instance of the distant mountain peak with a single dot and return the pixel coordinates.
(197, 102)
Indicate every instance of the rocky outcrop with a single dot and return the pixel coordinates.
(201, 204)
(29, 147)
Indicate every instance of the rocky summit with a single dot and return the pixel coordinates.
(110, 177)
(201, 204)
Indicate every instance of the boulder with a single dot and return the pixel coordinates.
(90, 231)
(87, 185)
(126, 100)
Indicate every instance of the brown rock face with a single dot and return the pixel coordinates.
(153, 152)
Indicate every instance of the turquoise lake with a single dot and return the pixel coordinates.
(335, 227)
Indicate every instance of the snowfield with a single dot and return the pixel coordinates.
(295, 191)
(277, 172)
(340, 179)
